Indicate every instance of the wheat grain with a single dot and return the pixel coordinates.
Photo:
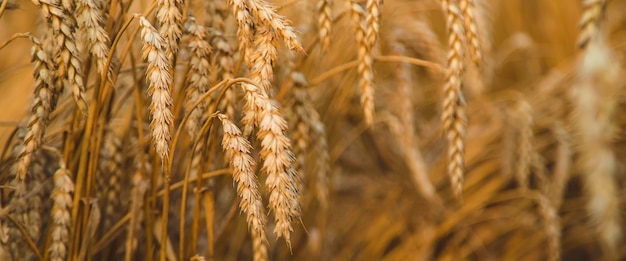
(159, 76)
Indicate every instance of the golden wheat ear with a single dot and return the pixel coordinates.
(238, 151)
(159, 75)
(453, 117)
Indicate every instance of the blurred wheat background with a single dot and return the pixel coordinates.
(312, 130)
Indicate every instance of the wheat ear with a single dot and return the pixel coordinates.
(454, 118)
(159, 76)
(89, 18)
(468, 7)
(324, 22)
(237, 150)
(282, 181)
(109, 178)
(595, 106)
(198, 76)
(523, 117)
(365, 59)
(44, 101)
(593, 13)
(69, 70)
(61, 221)
(169, 18)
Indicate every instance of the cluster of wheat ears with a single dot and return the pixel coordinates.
(217, 129)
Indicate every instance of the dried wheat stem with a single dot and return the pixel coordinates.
(43, 103)
(198, 76)
(237, 150)
(590, 21)
(169, 18)
(365, 59)
(282, 181)
(60, 214)
(159, 76)
(324, 21)
(69, 70)
(595, 106)
(471, 30)
(454, 118)
(89, 18)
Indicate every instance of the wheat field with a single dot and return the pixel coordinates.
(312, 130)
